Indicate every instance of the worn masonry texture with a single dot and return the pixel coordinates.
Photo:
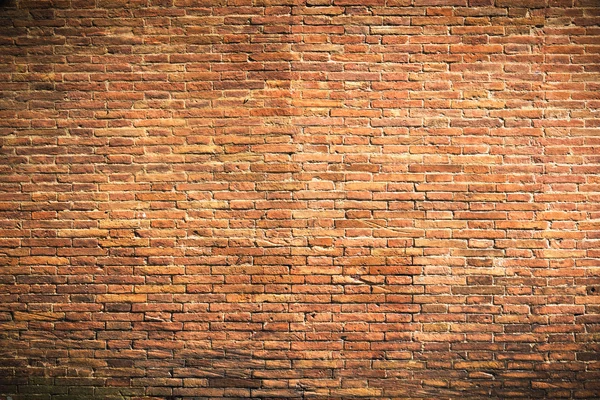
(299, 199)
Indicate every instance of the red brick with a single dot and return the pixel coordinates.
(341, 198)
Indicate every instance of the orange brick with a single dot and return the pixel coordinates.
(319, 199)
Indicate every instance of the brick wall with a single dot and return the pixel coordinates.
(299, 199)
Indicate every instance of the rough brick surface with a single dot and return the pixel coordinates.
(299, 199)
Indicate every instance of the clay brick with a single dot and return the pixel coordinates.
(279, 199)
(121, 298)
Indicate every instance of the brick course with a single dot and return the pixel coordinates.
(205, 199)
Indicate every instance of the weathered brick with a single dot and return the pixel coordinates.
(279, 199)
